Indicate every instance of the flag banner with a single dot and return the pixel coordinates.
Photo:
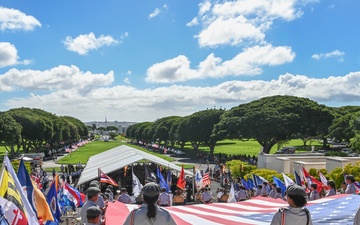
(15, 186)
(251, 183)
(206, 178)
(52, 200)
(26, 184)
(106, 179)
(198, 180)
(41, 205)
(169, 179)
(256, 211)
(288, 180)
(280, 184)
(72, 194)
(232, 194)
(11, 200)
(324, 181)
(297, 178)
(3, 221)
(311, 179)
(162, 183)
(149, 174)
(258, 180)
(136, 185)
(245, 184)
(181, 183)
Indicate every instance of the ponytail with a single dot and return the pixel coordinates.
(151, 209)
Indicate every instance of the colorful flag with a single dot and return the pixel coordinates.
(280, 184)
(26, 184)
(42, 207)
(311, 180)
(52, 200)
(258, 180)
(206, 178)
(3, 220)
(181, 182)
(198, 180)
(255, 211)
(72, 194)
(136, 185)
(232, 194)
(162, 183)
(288, 180)
(324, 181)
(106, 179)
(251, 183)
(13, 190)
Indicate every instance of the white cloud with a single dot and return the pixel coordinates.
(242, 21)
(152, 103)
(57, 78)
(248, 62)
(84, 43)
(129, 72)
(155, 13)
(13, 19)
(127, 80)
(9, 56)
(334, 54)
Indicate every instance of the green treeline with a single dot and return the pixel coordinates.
(30, 129)
(269, 120)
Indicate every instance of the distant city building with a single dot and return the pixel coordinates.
(122, 126)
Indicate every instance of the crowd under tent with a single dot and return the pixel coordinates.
(119, 157)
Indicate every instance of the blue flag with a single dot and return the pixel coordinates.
(26, 184)
(162, 183)
(280, 184)
(245, 184)
(52, 200)
(297, 178)
(251, 183)
(168, 178)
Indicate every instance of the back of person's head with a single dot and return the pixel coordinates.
(297, 194)
(314, 186)
(350, 177)
(151, 194)
(92, 213)
(163, 189)
(331, 183)
(123, 190)
(259, 186)
(278, 190)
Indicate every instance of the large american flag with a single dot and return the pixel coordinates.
(206, 178)
(335, 210)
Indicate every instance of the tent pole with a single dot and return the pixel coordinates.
(193, 184)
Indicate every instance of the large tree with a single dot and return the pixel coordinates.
(10, 133)
(162, 128)
(273, 119)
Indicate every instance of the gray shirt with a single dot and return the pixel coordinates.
(293, 216)
(162, 217)
(241, 195)
(314, 195)
(124, 198)
(330, 192)
(83, 210)
(272, 192)
(350, 189)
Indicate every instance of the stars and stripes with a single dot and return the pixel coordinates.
(206, 178)
(338, 209)
(106, 179)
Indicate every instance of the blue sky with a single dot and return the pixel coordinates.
(143, 60)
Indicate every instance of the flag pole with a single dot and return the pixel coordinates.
(193, 184)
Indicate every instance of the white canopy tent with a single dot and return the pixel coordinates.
(119, 157)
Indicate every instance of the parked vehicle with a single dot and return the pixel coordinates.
(36, 158)
(286, 150)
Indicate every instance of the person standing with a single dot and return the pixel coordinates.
(350, 188)
(332, 191)
(92, 195)
(314, 194)
(273, 191)
(149, 212)
(296, 213)
(93, 214)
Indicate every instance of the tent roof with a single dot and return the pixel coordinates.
(119, 157)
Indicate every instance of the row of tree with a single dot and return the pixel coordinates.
(31, 129)
(269, 120)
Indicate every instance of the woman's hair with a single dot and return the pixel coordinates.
(151, 213)
(332, 184)
(314, 186)
(299, 200)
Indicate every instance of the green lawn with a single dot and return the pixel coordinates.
(249, 147)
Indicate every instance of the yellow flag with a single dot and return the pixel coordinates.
(42, 207)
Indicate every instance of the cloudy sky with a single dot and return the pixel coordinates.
(142, 60)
